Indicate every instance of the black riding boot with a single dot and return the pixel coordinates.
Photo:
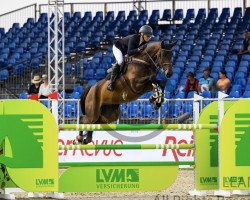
(114, 74)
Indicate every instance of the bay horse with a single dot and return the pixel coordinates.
(101, 106)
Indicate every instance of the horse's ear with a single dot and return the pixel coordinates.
(173, 44)
(163, 45)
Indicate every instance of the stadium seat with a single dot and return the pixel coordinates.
(166, 15)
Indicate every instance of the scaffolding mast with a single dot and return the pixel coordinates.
(56, 58)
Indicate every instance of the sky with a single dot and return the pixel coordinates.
(11, 5)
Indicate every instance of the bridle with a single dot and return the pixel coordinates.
(160, 68)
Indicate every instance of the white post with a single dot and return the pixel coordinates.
(54, 109)
(196, 114)
(221, 96)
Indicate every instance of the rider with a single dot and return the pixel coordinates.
(130, 45)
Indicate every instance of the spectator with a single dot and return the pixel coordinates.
(44, 90)
(192, 84)
(35, 86)
(246, 44)
(223, 84)
(207, 82)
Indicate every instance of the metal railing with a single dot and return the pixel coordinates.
(150, 5)
(18, 16)
(173, 111)
(21, 15)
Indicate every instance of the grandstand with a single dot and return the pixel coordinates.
(207, 37)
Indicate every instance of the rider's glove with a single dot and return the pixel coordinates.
(141, 48)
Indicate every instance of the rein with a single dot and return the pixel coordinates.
(160, 69)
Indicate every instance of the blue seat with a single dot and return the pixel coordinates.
(78, 89)
(246, 58)
(230, 70)
(133, 111)
(91, 82)
(191, 94)
(75, 95)
(206, 94)
(219, 58)
(4, 75)
(244, 64)
(208, 58)
(180, 95)
(236, 88)
(23, 95)
(166, 15)
(231, 63)
(197, 53)
(100, 74)
(123, 110)
(240, 75)
(178, 15)
(80, 47)
(70, 110)
(192, 64)
(89, 74)
(218, 65)
(243, 69)
(190, 14)
(234, 94)
(209, 52)
(246, 94)
(146, 110)
(153, 20)
(188, 108)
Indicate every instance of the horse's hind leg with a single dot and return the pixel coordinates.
(92, 110)
(85, 137)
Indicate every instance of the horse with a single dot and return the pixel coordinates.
(102, 106)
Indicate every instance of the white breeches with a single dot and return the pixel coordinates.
(118, 55)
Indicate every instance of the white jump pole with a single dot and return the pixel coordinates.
(196, 114)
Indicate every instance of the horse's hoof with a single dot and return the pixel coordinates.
(87, 140)
(78, 140)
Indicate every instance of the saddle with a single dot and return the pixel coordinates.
(123, 69)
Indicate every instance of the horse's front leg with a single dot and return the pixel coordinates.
(155, 95)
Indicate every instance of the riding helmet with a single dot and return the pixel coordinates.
(146, 30)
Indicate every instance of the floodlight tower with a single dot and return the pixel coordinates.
(56, 58)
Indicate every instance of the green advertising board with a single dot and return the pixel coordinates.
(28, 137)
(206, 153)
(117, 178)
(235, 147)
(29, 155)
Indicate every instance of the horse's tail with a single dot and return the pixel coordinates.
(83, 98)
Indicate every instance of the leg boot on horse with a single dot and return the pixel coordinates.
(114, 75)
(84, 138)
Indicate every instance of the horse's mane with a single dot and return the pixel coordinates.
(153, 44)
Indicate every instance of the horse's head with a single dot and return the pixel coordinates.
(164, 58)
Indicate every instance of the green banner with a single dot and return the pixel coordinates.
(29, 134)
(207, 149)
(235, 147)
(117, 178)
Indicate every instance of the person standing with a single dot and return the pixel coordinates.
(44, 90)
(35, 86)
